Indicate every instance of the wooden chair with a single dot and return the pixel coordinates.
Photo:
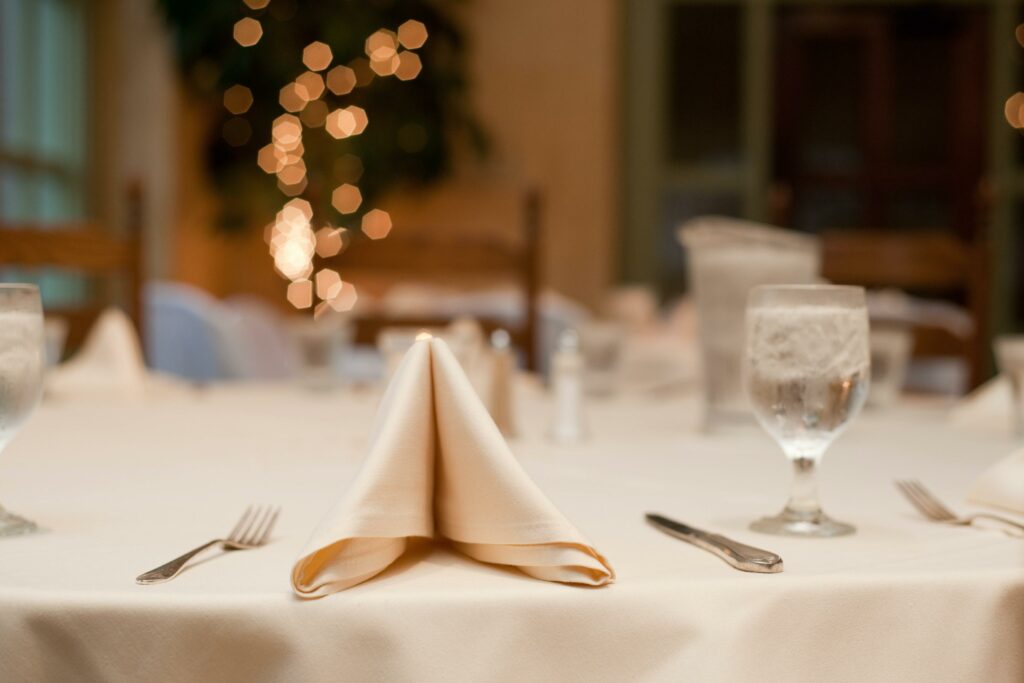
(87, 249)
(447, 257)
(927, 263)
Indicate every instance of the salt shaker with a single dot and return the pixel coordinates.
(567, 386)
(499, 394)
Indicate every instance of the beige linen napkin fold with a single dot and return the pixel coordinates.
(109, 362)
(986, 409)
(439, 467)
(1002, 484)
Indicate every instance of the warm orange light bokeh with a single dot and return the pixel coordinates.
(314, 114)
(300, 293)
(345, 298)
(313, 83)
(293, 97)
(317, 56)
(1012, 109)
(381, 45)
(385, 67)
(341, 80)
(409, 66)
(248, 32)
(376, 224)
(412, 34)
(346, 198)
(287, 131)
(271, 159)
(340, 123)
(237, 99)
(329, 241)
(360, 118)
(328, 284)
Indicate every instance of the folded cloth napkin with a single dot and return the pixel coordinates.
(989, 408)
(110, 361)
(1002, 484)
(439, 467)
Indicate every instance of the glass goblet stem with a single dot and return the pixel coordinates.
(803, 496)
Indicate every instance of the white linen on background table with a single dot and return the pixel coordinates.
(123, 486)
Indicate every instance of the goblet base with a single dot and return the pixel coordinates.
(791, 523)
(13, 525)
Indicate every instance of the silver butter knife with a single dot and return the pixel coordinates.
(744, 557)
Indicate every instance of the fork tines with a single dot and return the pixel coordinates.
(922, 499)
(255, 525)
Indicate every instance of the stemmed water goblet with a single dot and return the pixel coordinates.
(21, 374)
(806, 370)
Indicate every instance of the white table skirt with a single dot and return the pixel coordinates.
(123, 487)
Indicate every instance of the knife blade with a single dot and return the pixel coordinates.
(744, 557)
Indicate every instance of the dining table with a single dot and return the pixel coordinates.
(121, 484)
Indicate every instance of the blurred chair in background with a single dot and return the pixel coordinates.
(191, 334)
(464, 257)
(932, 264)
(111, 264)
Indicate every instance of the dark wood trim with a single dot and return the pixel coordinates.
(439, 255)
(89, 249)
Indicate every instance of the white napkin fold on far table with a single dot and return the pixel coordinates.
(439, 467)
(109, 362)
(989, 408)
(1002, 484)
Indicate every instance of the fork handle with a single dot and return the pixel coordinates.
(166, 572)
(998, 518)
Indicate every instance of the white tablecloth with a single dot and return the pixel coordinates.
(123, 487)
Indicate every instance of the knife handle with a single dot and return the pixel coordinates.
(740, 555)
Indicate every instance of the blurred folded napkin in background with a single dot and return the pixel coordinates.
(439, 467)
(989, 408)
(1002, 484)
(109, 362)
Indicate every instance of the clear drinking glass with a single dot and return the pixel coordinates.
(726, 259)
(806, 370)
(22, 359)
(1010, 359)
(322, 345)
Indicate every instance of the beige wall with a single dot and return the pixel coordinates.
(545, 85)
(134, 127)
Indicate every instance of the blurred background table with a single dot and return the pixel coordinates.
(122, 486)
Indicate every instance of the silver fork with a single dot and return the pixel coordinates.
(252, 531)
(930, 506)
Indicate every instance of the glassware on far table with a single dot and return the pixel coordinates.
(726, 258)
(322, 344)
(1010, 359)
(601, 343)
(806, 370)
(21, 374)
(891, 345)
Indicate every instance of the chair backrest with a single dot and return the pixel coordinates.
(86, 249)
(190, 334)
(448, 255)
(928, 263)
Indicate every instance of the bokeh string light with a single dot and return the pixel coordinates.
(293, 241)
(416, 105)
